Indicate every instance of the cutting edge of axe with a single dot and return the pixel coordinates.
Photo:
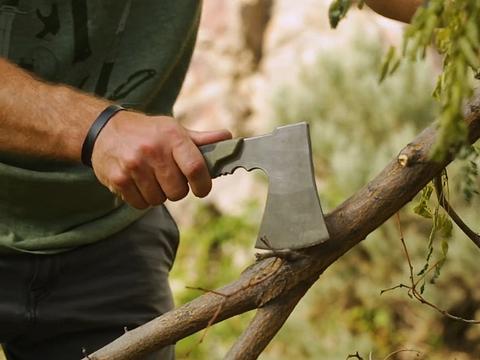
(293, 217)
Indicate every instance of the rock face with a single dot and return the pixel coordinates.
(245, 49)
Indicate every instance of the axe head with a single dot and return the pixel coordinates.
(293, 217)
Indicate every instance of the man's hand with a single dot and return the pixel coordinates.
(144, 159)
(148, 159)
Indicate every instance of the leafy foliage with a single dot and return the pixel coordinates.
(469, 157)
(441, 230)
(453, 27)
(338, 10)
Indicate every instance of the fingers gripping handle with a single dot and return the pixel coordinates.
(217, 153)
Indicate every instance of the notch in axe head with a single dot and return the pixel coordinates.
(293, 217)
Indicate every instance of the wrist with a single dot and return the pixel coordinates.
(95, 129)
(78, 111)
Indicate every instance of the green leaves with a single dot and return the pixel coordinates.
(422, 208)
(469, 173)
(337, 11)
(390, 63)
(441, 231)
(453, 27)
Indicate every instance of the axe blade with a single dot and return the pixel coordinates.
(293, 217)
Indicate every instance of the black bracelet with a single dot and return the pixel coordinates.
(94, 131)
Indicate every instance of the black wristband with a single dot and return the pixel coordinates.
(94, 131)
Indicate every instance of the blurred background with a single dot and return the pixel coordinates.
(259, 64)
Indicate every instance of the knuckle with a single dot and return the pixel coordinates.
(171, 130)
(161, 164)
(147, 149)
(120, 181)
(133, 163)
(175, 134)
(195, 168)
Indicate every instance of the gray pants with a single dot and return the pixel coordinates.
(53, 306)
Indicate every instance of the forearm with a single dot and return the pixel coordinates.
(144, 159)
(401, 10)
(41, 119)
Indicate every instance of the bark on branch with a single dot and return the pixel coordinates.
(267, 322)
(274, 283)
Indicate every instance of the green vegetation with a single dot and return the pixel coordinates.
(357, 126)
(452, 27)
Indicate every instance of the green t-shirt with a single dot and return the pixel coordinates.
(134, 52)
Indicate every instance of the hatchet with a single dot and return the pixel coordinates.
(293, 217)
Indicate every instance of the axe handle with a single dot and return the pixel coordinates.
(217, 153)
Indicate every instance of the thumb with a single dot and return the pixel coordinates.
(208, 137)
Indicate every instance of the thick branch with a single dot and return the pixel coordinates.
(348, 224)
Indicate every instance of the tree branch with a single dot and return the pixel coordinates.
(267, 322)
(452, 213)
(266, 280)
